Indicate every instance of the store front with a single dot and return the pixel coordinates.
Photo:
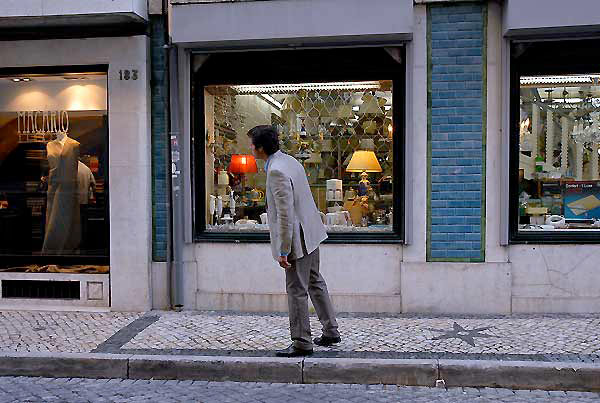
(74, 161)
(54, 178)
(463, 136)
(339, 105)
(552, 103)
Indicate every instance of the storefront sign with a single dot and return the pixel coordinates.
(42, 122)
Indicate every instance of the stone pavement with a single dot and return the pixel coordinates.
(30, 390)
(540, 338)
(531, 338)
(71, 332)
(565, 341)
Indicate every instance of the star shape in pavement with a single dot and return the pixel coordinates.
(459, 332)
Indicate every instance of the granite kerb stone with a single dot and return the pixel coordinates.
(573, 376)
(371, 371)
(521, 374)
(219, 368)
(64, 365)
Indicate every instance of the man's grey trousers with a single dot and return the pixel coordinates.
(303, 279)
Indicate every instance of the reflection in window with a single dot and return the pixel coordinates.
(341, 132)
(53, 170)
(559, 137)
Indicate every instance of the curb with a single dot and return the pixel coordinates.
(521, 374)
(64, 365)
(453, 373)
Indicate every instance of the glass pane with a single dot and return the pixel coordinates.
(53, 167)
(342, 133)
(559, 181)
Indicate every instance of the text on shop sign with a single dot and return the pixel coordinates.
(40, 122)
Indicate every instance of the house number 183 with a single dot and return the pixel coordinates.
(128, 75)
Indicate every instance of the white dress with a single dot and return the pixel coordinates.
(63, 223)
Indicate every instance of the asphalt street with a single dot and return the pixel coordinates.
(29, 390)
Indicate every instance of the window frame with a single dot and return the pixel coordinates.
(16, 259)
(300, 74)
(540, 61)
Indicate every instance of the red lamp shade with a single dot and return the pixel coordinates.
(242, 164)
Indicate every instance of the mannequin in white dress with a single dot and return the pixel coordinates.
(63, 226)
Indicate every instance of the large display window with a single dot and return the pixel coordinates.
(54, 171)
(555, 139)
(344, 129)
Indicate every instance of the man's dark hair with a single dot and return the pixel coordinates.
(265, 137)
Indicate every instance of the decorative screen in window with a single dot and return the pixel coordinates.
(341, 132)
(54, 170)
(559, 138)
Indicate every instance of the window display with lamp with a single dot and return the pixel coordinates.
(345, 132)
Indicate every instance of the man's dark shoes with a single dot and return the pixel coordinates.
(292, 351)
(325, 341)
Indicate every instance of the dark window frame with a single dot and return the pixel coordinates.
(21, 259)
(233, 73)
(575, 56)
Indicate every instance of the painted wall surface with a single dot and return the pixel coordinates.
(555, 278)
(277, 19)
(38, 8)
(360, 278)
(129, 148)
(520, 15)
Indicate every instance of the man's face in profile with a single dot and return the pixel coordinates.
(257, 152)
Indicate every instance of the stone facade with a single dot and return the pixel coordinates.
(455, 260)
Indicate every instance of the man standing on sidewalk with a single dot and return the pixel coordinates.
(296, 232)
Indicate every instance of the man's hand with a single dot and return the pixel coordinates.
(283, 262)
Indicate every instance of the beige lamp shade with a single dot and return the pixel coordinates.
(364, 161)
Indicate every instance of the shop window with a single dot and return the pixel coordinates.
(556, 148)
(54, 172)
(344, 132)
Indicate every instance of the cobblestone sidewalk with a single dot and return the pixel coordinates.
(546, 338)
(500, 336)
(69, 332)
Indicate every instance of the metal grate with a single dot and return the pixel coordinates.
(40, 289)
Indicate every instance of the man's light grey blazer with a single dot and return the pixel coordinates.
(291, 206)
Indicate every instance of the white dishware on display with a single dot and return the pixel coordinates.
(334, 209)
(334, 190)
(219, 206)
(556, 221)
(331, 218)
(232, 204)
(227, 220)
(211, 204)
(264, 218)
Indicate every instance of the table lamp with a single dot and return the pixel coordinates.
(242, 164)
(363, 162)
